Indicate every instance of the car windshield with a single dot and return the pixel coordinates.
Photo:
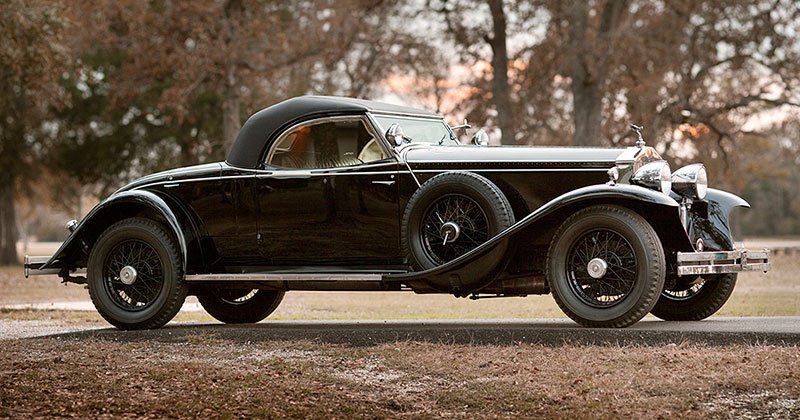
(419, 130)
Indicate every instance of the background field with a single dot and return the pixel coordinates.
(776, 293)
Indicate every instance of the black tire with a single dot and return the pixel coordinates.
(239, 306)
(157, 291)
(483, 212)
(703, 299)
(633, 277)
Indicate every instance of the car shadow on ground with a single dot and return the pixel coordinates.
(720, 331)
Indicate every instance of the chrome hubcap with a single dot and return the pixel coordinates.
(597, 268)
(450, 232)
(127, 275)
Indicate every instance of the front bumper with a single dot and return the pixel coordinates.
(721, 262)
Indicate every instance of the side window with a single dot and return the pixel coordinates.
(329, 144)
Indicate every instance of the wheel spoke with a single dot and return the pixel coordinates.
(149, 279)
(462, 211)
(617, 280)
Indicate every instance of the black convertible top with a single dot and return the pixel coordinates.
(264, 126)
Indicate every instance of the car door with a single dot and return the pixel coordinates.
(329, 197)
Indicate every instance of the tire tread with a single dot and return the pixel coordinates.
(656, 254)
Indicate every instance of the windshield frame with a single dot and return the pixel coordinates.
(450, 140)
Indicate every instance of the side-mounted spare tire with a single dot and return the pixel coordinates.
(451, 214)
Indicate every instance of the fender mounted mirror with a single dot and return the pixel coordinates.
(480, 138)
(395, 134)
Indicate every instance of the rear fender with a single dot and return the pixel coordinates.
(469, 263)
(115, 208)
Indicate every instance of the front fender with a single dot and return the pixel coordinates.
(98, 215)
(712, 222)
(466, 265)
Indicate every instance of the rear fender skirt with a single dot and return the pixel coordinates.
(469, 263)
(710, 220)
(134, 197)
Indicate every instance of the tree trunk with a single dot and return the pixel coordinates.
(589, 61)
(588, 114)
(8, 224)
(231, 122)
(501, 92)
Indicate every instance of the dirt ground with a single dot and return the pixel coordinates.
(201, 377)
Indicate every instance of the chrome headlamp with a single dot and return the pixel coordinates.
(691, 181)
(654, 175)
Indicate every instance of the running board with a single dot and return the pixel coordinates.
(290, 277)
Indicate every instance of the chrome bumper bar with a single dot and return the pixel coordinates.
(33, 266)
(720, 262)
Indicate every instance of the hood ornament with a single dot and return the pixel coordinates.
(638, 130)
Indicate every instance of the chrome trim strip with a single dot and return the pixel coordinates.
(515, 170)
(607, 163)
(339, 171)
(308, 174)
(406, 115)
(718, 262)
(181, 181)
(284, 277)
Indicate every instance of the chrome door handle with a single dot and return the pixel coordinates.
(383, 182)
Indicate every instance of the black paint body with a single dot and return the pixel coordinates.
(243, 215)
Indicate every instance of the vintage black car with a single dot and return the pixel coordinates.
(330, 193)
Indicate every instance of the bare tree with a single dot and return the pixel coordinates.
(31, 62)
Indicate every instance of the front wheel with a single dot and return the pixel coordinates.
(135, 275)
(239, 306)
(697, 300)
(606, 267)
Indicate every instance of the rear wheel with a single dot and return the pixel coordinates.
(697, 300)
(605, 267)
(135, 275)
(239, 306)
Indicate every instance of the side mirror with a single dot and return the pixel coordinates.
(480, 138)
(395, 134)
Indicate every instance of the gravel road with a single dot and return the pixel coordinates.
(716, 330)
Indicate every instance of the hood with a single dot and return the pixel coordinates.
(177, 174)
(517, 155)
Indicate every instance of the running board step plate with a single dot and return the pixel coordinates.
(285, 277)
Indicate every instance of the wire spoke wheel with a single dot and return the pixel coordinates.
(686, 293)
(239, 306)
(614, 277)
(236, 296)
(140, 291)
(135, 275)
(606, 267)
(695, 299)
(452, 226)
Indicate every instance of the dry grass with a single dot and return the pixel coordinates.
(202, 377)
(757, 294)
